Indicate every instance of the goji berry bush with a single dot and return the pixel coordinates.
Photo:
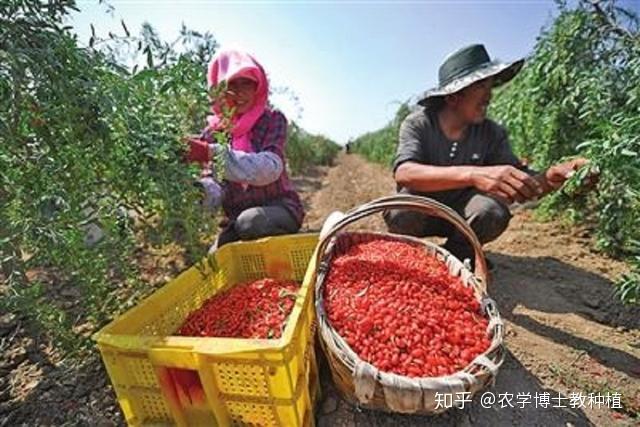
(91, 164)
(579, 94)
(257, 309)
(399, 309)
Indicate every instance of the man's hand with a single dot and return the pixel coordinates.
(506, 182)
(557, 175)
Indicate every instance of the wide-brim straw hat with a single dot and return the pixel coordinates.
(465, 67)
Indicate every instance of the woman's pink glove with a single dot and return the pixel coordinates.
(198, 151)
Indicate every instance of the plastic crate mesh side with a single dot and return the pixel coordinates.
(300, 260)
(155, 408)
(251, 414)
(242, 379)
(252, 266)
(168, 321)
(137, 387)
(141, 372)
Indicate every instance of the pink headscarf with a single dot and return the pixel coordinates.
(226, 66)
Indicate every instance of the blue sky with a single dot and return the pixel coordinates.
(349, 62)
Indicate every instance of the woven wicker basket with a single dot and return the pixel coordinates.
(362, 383)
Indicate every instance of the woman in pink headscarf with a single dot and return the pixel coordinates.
(256, 194)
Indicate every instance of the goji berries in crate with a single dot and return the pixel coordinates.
(401, 319)
(255, 309)
(161, 378)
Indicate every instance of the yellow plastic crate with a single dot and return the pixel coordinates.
(237, 381)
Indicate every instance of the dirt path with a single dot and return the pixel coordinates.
(566, 333)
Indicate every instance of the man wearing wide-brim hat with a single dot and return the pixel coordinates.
(448, 150)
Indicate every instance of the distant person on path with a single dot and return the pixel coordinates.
(449, 151)
(256, 195)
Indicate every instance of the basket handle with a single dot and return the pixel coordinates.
(418, 203)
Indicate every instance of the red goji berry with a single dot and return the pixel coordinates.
(398, 306)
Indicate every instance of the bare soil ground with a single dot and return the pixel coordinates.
(566, 333)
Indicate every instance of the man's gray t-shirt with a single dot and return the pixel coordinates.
(421, 140)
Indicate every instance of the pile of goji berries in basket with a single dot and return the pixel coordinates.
(257, 309)
(399, 309)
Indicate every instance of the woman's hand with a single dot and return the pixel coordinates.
(198, 150)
